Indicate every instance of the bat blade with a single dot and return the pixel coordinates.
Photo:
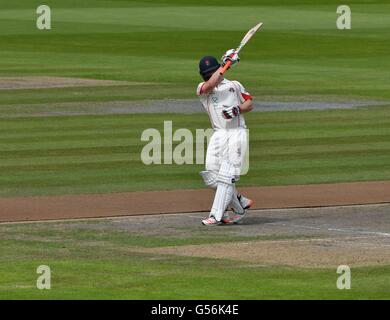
(244, 41)
(249, 35)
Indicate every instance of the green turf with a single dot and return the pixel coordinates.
(93, 260)
(298, 55)
(88, 154)
(137, 276)
(299, 51)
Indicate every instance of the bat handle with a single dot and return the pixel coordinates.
(225, 67)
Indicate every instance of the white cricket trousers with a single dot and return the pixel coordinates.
(227, 144)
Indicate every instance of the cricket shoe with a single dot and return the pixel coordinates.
(211, 221)
(226, 219)
(245, 204)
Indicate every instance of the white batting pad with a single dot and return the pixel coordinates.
(224, 193)
(235, 203)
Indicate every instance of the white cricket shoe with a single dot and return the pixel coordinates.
(211, 221)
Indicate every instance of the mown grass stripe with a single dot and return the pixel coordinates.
(129, 129)
(324, 155)
(129, 171)
(256, 154)
(274, 137)
(10, 154)
(304, 118)
(125, 162)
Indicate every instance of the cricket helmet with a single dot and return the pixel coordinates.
(207, 66)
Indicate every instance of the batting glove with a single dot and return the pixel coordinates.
(231, 112)
(230, 55)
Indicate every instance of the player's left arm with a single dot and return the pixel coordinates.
(230, 112)
(246, 106)
(245, 98)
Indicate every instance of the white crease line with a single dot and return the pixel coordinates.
(199, 217)
(294, 225)
(367, 245)
(383, 234)
(376, 233)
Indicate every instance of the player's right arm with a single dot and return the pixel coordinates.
(209, 85)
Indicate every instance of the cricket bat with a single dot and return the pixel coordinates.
(244, 41)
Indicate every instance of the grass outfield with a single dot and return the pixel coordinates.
(298, 56)
(299, 52)
(94, 260)
(99, 154)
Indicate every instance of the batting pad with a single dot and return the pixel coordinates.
(235, 203)
(209, 178)
(225, 189)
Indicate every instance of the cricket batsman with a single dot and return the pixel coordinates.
(225, 101)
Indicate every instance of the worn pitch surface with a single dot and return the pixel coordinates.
(310, 237)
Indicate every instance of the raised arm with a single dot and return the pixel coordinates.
(210, 84)
(216, 78)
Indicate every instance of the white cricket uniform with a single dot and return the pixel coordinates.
(229, 140)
